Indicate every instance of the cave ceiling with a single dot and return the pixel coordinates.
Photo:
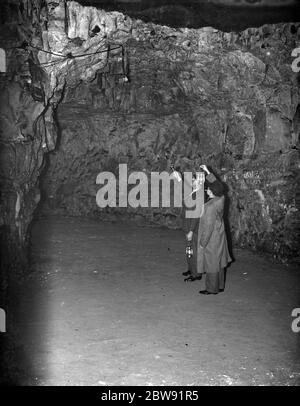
(225, 15)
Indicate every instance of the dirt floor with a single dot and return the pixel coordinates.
(107, 305)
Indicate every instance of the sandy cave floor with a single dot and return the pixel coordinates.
(107, 305)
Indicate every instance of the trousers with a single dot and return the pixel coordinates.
(215, 281)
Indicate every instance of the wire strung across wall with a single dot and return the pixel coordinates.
(69, 55)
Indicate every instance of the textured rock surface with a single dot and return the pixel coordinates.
(40, 41)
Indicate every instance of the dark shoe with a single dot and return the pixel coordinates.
(221, 290)
(205, 292)
(192, 278)
(186, 273)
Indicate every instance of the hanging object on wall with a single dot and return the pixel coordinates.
(38, 77)
(2, 321)
(125, 63)
(2, 61)
(116, 70)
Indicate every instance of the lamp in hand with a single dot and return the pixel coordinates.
(189, 251)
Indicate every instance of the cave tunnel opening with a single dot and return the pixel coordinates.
(100, 90)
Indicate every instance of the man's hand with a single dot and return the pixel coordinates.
(189, 236)
(177, 176)
(204, 167)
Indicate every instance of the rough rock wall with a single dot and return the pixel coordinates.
(227, 99)
(22, 134)
(47, 49)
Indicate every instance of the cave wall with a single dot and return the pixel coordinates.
(227, 99)
(230, 99)
(39, 41)
(23, 135)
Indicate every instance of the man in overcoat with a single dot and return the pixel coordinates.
(206, 234)
(212, 254)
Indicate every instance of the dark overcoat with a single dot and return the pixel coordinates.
(212, 252)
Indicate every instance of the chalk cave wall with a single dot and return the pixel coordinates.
(37, 35)
(230, 100)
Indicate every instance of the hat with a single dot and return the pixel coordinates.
(217, 188)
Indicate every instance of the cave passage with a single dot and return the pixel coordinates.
(110, 307)
(96, 296)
